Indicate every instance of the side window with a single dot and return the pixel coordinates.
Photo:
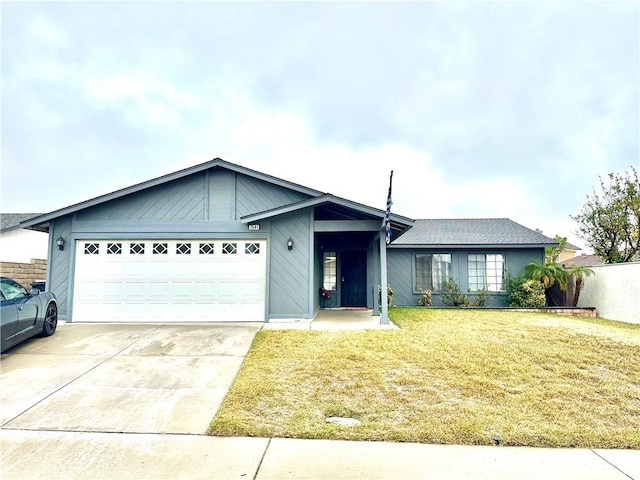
(11, 289)
(329, 275)
(486, 272)
(423, 271)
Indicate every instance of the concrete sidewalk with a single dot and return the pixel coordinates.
(334, 319)
(79, 455)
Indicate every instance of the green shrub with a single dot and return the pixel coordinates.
(525, 292)
(450, 294)
(479, 298)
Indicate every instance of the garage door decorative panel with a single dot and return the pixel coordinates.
(170, 280)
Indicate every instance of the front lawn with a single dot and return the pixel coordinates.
(447, 376)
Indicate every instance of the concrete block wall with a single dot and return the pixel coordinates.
(614, 290)
(25, 273)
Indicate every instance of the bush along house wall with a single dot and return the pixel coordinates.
(25, 273)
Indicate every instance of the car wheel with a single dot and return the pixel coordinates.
(50, 320)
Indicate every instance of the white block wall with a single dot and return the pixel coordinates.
(614, 291)
(21, 245)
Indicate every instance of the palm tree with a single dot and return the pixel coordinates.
(578, 272)
(549, 274)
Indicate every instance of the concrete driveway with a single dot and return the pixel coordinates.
(138, 378)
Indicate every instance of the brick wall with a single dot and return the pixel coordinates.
(25, 273)
(586, 312)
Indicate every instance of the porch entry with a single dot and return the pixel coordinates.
(345, 274)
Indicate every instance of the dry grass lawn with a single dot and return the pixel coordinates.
(447, 376)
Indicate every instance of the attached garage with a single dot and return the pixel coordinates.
(169, 280)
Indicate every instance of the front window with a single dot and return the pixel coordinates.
(486, 272)
(329, 271)
(431, 270)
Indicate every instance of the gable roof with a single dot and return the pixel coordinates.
(9, 221)
(322, 200)
(471, 232)
(41, 222)
(571, 246)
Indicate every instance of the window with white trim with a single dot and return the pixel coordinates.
(136, 249)
(486, 272)
(252, 249)
(114, 248)
(160, 248)
(206, 249)
(329, 276)
(183, 249)
(431, 269)
(91, 248)
(229, 248)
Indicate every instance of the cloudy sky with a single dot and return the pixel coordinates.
(482, 109)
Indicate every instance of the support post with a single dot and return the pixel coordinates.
(384, 317)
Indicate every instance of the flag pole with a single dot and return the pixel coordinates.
(384, 299)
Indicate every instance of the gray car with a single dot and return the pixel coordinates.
(25, 313)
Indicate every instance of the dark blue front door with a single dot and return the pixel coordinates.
(353, 273)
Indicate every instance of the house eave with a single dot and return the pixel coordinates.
(474, 246)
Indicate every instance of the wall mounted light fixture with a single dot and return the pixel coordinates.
(290, 244)
(60, 243)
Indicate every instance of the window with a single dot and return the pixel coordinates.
(252, 248)
(160, 248)
(486, 272)
(12, 289)
(136, 249)
(114, 248)
(229, 248)
(183, 249)
(206, 249)
(431, 270)
(91, 248)
(329, 271)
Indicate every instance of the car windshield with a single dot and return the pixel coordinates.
(11, 289)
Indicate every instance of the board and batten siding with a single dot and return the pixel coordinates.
(222, 188)
(289, 272)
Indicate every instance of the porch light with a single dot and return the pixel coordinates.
(60, 243)
(290, 244)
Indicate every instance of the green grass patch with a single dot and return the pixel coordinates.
(447, 376)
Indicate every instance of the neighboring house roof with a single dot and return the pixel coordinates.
(584, 260)
(570, 246)
(41, 222)
(10, 221)
(471, 232)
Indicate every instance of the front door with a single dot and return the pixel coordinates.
(353, 279)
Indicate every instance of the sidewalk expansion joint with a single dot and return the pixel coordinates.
(614, 466)
(264, 454)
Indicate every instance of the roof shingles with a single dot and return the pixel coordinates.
(471, 231)
(9, 221)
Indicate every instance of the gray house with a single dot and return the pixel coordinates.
(220, 242)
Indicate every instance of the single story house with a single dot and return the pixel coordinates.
(221, 242)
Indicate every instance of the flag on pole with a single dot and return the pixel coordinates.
(387, 217)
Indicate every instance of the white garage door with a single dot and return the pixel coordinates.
(170, 280)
